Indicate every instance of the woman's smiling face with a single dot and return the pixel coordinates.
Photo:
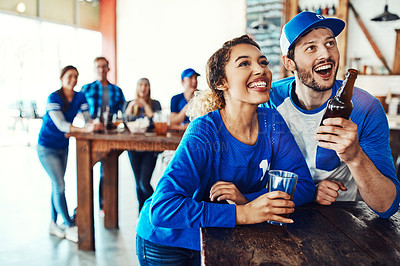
(143, 88)
(248, 78)
(69, 79)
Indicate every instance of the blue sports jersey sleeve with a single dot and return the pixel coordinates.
(375, 129)
(174, 104)
(180, 191)
(54, 102)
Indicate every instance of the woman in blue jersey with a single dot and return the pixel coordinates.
(143, 162)
(224, 156)
(62, 107)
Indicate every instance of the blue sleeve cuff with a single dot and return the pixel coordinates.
(253, 196)
(219, 215)
(393, 208)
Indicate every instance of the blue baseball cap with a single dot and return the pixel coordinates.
(187, 73)
(303, 23)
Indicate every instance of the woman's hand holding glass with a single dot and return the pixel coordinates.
(270, 206)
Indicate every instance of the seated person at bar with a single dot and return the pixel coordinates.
(224, 155)
(143, 162)
(349, 159)
(61, 109)
(178, 118)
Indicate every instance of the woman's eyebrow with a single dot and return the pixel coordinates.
(246, 56)
(240, 57)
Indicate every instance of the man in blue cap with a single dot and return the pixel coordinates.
(361, 168)
(178, 118)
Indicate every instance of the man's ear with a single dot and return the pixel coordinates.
(288, 63)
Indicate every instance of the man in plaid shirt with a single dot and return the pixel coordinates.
(102, 94)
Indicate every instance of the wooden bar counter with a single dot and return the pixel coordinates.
(346, 233)
(93, 147)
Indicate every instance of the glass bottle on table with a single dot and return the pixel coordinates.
(100, 119)
(108, 118)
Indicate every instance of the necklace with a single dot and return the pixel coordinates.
(236, 131)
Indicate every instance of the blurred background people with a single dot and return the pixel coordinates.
(143, 162)
(105, 95)
(178, 117)
(62, 107)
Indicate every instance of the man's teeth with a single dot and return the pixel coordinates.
(258, 84)
(323, 67)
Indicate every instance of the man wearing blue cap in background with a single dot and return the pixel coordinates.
(361, 168)
(178, 118)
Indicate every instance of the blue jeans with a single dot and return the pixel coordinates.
(101, 207)
(151, 254)
(54, 162)
(143, 163)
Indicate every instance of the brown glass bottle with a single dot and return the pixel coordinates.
(340, 105)
(100, 119)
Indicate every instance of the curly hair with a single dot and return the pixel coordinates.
(212, 98)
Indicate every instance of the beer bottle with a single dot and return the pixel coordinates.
(100, 119)
(340, 105)
(109, 119)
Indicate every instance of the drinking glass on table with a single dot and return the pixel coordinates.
(160, 120)
(285, 181)
(117, 118)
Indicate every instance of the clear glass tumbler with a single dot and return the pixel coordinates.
(285, 181)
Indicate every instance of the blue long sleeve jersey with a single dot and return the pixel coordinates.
(208, 153)
(50, 136)
(373, 137)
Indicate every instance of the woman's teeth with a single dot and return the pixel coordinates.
(260, 84)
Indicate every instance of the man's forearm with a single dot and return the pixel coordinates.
(376, 190)
(177, 118)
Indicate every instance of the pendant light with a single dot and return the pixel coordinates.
(386, 15)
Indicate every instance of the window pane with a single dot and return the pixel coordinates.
(34, 52)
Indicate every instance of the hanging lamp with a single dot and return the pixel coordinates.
(386, 15)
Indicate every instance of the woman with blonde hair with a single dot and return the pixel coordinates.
(224, 156)
(143, 162)
(143, 105)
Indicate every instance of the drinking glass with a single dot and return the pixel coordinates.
(282, 181)
(160, 121)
